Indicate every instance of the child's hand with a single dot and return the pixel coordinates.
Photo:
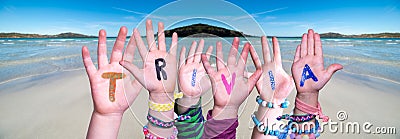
(192, 80)
(108, 95)
(274, 82)
(159, 72)
(308, 67)
(229, 85)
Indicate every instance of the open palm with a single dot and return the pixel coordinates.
(147, 76)
(274, 82)
(103, 103)
(310, 52)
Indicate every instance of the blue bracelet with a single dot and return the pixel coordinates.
(262, 128)
(263, 103)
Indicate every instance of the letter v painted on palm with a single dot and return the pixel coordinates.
(228, 86)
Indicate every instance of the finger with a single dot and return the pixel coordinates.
(87, 61)
(161, 37)
(297, 55)
(130, 49)
(303, 45)
(199, 50)
(310, 42)
(233, 52)
(265, 49)
(192, 50)
(254, 79)
(140, 44)
(102, 59)
(174, 44)
(241, 64)
(209, 52)
(116, 54)
(206, 65)
(254, 57)
(134, 70)
(182, 57)
(333, 68)
(277, 52)
(220, 57)
(150, 36)
(318, 45)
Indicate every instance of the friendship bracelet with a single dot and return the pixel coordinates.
(159, 123)
(148, 135)
(161, 107)
(262, 128)
(310, 109)
(263, 103)
(311, 133)
(297, 118)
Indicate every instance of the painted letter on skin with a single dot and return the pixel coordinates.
(228, 86)
(159, 68)
(113, 76)
(306, 76)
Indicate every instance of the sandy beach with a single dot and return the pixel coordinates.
(59, 105)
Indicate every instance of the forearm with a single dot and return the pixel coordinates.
(183, 104)
(104, 126)
(268, 117)
(222, 128)
(190, 123)
(308, 98)
(167, 116)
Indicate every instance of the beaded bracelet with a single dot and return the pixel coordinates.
(262, 128)
(297, 118)
(312, 132)
(263, 103)
(147, 134)
(159, 123)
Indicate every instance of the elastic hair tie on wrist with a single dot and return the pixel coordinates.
(148, 135)
(263, 103)
(159, 123)
(311, 110)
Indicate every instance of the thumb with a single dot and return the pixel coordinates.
(134, 70)
(333, 68)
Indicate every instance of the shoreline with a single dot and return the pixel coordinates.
(59, 105)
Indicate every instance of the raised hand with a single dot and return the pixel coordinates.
(229, 85)
(308, 66)
(113, 89)
(192, 80)
(104, 102)
(274, 82)
(159, 71)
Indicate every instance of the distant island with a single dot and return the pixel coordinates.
(204, 30)
(378, 35)
(198, 30)
(61, 35)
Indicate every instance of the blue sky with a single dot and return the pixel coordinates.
(275, 17)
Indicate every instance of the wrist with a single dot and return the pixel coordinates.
(226, 112)
(162, 98)
(116, 115)
(310, 98)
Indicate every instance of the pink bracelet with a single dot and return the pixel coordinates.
(311, 110)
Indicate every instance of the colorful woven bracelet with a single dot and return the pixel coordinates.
(263, 103)
(161, 107)
(297, 118)
(159, 123)
(148, 135)
(311, 133)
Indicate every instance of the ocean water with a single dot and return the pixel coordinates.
(21, 58)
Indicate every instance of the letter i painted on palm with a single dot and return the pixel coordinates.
(194, 77)
(306, 76)
(228, 86)
(271, 80)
